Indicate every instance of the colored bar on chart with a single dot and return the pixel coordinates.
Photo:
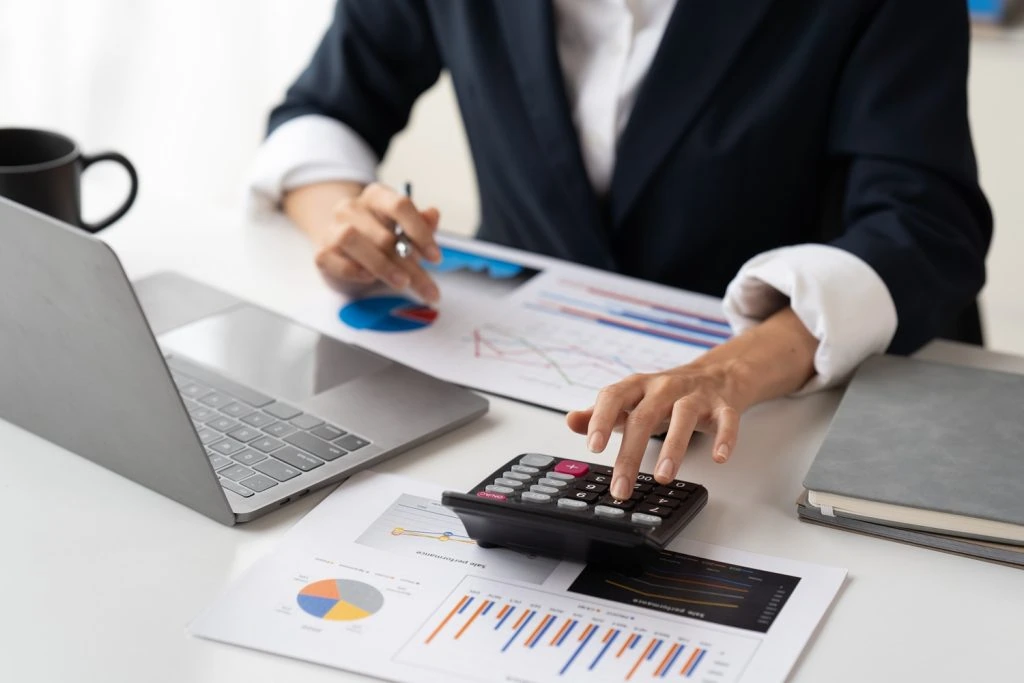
(468, 603)
(489, 606)
(690, 662)
(558, 634)
(538, 632)
(630, 642)
(696, 662)
(657, 644)
(568, 631)
(519, 627)
(585, 637)
(504, 614)
(640, 659)
(669, 658)
(469, 622)
(609, 638)
(672, 662)
(457, 608)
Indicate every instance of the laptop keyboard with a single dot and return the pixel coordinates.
(255, 442)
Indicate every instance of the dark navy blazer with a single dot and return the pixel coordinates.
(761, 123)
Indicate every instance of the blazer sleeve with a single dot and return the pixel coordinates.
(912, 207)
(376, 59)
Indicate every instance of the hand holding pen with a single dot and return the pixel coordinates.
(380, 234)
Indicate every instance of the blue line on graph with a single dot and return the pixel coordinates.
(635, 641)
(567, 632)
(693, 667)
(674, 325)
(657, 644)
(706, 577)
(578, 650)
(487, 609)
(579, 303)
(615, 634)
(543, 631)
(502, 620)
(654, 333)
(467, 604)
(672, 662)
(529, 618)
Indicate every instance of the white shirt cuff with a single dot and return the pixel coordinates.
(837, 296)
(307, 149)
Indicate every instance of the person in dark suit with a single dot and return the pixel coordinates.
(809, 161)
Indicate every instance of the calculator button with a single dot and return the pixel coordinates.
(546, 490)
(605, 511)
(509, 483)
(553, 483)
(503, 490)
(642, 487)
(591, 486)
(683, 485)
(613, 502)
(490, 495)
(536, 460)
(599, 478)
(533, 497)
(659, 510)
(517, 475)
(601, 469)
(573, 467)
(649, 520)
(525, 469)
(560, 475)
(585, 496)
(661, 500)
(678, 494)
(572, 504)
(645, 478)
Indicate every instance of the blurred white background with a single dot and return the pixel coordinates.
(183, 87)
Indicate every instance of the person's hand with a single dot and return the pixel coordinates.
(709, 395)
(358, 248)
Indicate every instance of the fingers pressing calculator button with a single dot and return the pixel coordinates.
(605, 511)
(573, 467)
(533, 497)
(615, 503)
(536, 460)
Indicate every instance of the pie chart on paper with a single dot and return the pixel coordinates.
(340, 600)
(387, 314)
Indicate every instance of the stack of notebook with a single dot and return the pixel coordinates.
(928, 454)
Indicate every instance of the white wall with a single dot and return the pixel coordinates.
(183, 86)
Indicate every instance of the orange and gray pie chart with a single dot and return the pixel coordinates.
(340, 600)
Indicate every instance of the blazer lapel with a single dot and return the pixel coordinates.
(700, 43)
(528, 28)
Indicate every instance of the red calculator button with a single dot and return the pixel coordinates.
(491, 496)
(573, 467)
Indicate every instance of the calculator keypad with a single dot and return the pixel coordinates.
(580, 488)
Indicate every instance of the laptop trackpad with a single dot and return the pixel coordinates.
(271, 353)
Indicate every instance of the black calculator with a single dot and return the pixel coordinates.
(561, 508)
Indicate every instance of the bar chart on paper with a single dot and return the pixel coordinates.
(546, 636)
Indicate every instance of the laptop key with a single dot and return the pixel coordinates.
(328, 432)
(266, 444)
(227, 446)
(235, 488)
(276, 469)
(219, 461)
(235, 472)
(317, 447)
(296, 458)
(258, 420)
(216, 400)
(202, 414)
(207, 435)
(258, 482)
(282, 411)
(249, 457)
(222, 424)
(244, 434)
(307, 421)
(219, 382)
(351, 442)
(236, 409)
(279, 429)
(194, 390)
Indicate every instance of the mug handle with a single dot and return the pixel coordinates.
(88, 161)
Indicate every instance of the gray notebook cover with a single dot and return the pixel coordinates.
(928, 435)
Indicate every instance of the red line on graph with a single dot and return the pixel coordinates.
(447, 618)
(668, 658)
(481, 608)
(643, 302)
(627, 644)
(693, 656)
(536, 631)
(568, 620)
(586, 632)
(642, 657)
(502, 612)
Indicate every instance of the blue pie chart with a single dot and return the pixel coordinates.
(387, 314)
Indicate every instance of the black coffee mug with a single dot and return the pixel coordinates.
(43, 170)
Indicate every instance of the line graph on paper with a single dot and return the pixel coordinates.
(561, 356)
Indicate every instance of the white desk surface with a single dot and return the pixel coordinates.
(100, 576)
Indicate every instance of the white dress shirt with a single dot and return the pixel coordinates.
(605, 48)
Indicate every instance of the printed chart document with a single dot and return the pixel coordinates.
(398, 591)
(525, 326)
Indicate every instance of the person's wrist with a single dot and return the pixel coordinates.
(731, 373)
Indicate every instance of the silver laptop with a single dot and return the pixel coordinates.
(232, 410)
